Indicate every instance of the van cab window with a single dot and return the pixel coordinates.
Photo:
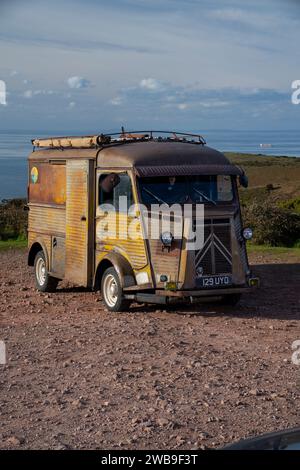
(182, 189)
(111, 195)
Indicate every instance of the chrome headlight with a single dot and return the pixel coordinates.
(167, 238)
(247, 233)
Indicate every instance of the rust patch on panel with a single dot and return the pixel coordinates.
(47, 183)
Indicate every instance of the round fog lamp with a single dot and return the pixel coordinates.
(166, 238)
(247, 233)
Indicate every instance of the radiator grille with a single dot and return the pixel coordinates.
(215, 257)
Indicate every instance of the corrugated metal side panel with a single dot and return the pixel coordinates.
(77, 229)
(133, 249)
(47, 219)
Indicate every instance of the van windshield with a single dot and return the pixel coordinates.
(183, 189)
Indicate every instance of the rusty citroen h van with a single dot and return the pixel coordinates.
(76, 184)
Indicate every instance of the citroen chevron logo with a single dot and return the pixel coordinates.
(213, 247)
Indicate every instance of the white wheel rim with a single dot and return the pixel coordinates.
(110, 290)
(41, 271)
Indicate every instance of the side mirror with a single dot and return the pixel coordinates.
(243, 180)
(110, 182)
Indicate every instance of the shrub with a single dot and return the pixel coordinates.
(291, 204)
(272, 225)
(13, 219)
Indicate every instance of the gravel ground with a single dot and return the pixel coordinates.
(182, 378)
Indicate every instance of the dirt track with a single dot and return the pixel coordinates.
(203, 376)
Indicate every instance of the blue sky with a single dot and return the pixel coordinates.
(185, 64)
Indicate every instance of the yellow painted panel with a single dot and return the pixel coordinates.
(77, 219)
(46, 219)
(113, 233)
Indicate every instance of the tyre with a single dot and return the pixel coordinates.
(231, 299)
(43, 281)
(112, 292)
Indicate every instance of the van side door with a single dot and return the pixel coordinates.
(113, 221)
(80, 221)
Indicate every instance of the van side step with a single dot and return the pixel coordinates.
(148, 298)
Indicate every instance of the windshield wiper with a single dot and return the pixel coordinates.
(153, 195)
(204, 196)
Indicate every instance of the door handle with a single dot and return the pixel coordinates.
(83, 218)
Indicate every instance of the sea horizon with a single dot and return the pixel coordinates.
(14, 151)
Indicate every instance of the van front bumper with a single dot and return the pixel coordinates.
(205, 292)
(163, 296)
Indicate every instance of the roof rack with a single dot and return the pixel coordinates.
(117, 137)
(66, 142)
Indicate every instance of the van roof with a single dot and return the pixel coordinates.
(158, 158)
(155, 157)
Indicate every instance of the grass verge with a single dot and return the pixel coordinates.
(13, 244)
(275, 252)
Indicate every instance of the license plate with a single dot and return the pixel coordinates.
(214, 281)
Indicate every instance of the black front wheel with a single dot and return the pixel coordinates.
(43, 281)
(112, 292)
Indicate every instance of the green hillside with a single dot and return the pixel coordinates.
(271, 203)
(272, 178)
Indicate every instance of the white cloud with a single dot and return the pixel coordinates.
(117, 101)
(213, 104)
(182, 106)
(244, 17)
(78, 82)
(43, 92)
(31, 93)
(28, 94)
(151, 84)
(229, 14)
(72, 104)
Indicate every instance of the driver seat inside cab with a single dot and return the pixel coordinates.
(91, 202)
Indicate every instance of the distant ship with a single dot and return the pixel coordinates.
(265, 146)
